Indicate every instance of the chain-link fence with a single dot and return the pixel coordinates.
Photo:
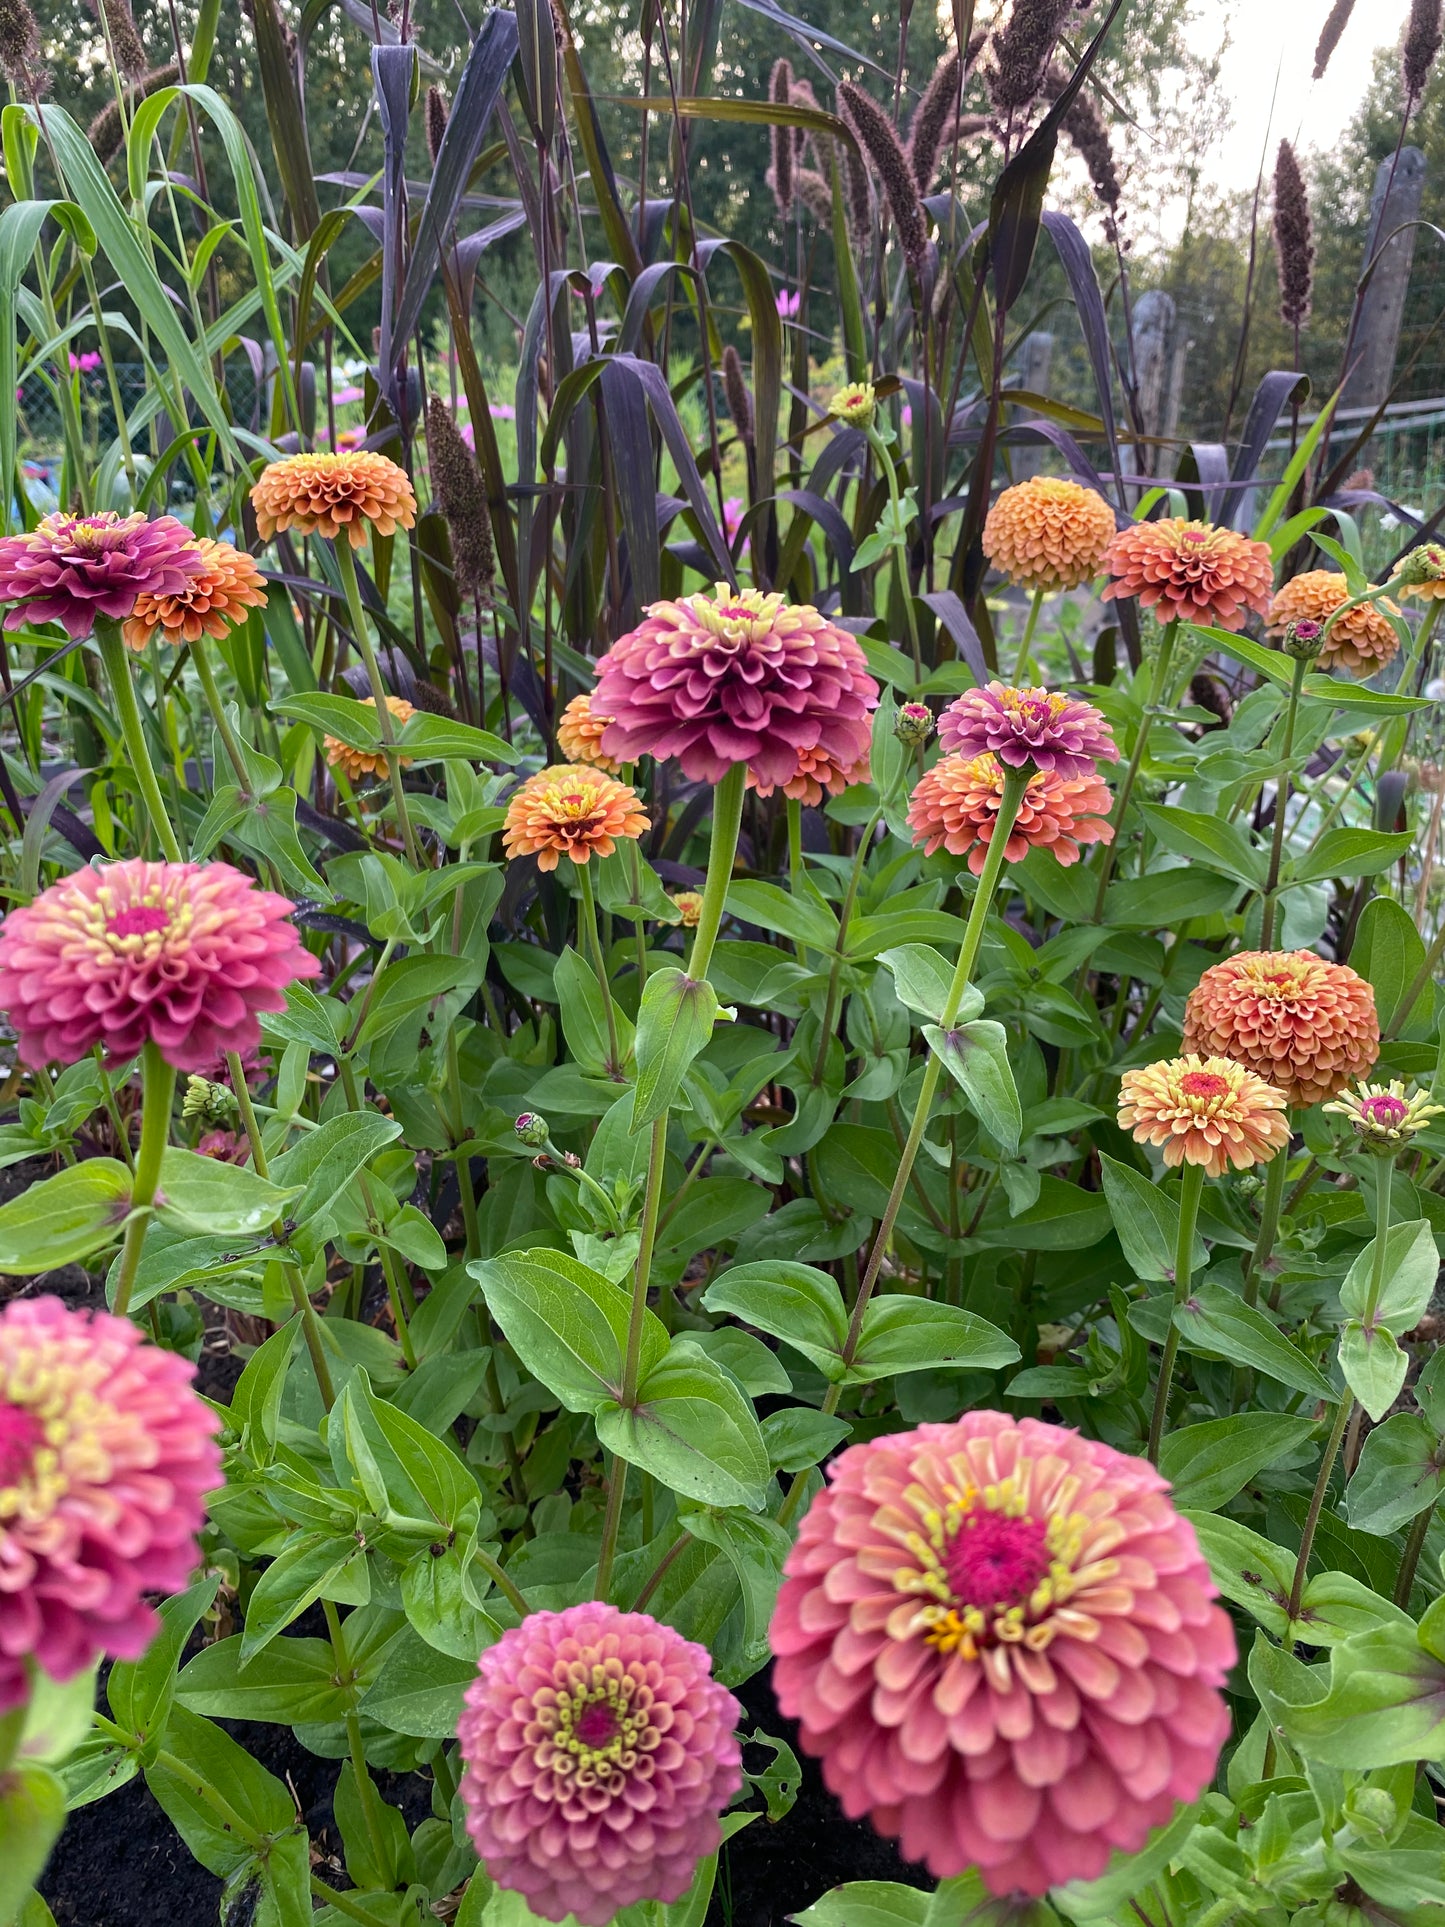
(37, 406)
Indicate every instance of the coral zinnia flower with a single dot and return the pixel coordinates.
(105, 1454)
(1000, 1641)
(184, 955)
(1022, 726)
(597, 1753)
(1048, 533)
(1362, 641)
(579, 735)
(1307, 1026)
(71, 569)
(735, 677)
(571, 810)
(322, 494)
(956, 803)
(688, 904)
(356, 763)
(213, 601)
(1190, 571)
(1204, 1110)
(816, 776)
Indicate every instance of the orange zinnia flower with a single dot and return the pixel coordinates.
(955, 807)
(1190, 571)
(1205, 1110)
(356, 763)
(1307, 1026)
(1361, 642)
(688, 904)
(213, 601)
(818, 775)
(322, 494)
(571, 810)
(579, 735)
(1048, 533)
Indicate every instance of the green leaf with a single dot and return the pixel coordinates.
(1374, 1366)
(1401, 1472)
(1210, 840)
(208, 1195)
(794, 1302)
(1166, 898)
(1385, 1704)
(798, 917)
(308, 1570)
(1207, 1464)
(378, 1852)
(801, 1437)
(693, 1428)
(1388, 952)
(207, 1755)
(755, 1366)
(1248, 1569)
(923, 979)
(412, 984)
(140, 1692)
(755, 1549)
(1146, 1220)
(567, 1324)
(1215, 1321)
(256, 1401)
(437, 1597)
(32, 1812)
(905, 1334)
(868, 1903)
(421, 1477)
(1064, 1218)
(674, 1022)
(323, 1162)
(1127, 1874)
(976, 1056)
(438, 739)
(1351, 853)
(1411, 1267)
(295, 1684)
(65, 1218)
(419, 1690)
(584, 1015)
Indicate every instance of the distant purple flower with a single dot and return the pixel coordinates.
(349, 394)
(501, 411)
(1023, 726)
(789, 302)
(732, 517)
(907, 416)
(84, 364)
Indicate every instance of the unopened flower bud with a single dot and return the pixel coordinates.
(532, 1129)
(1303, 640)
(212, 1103)
(913, 725)
(1423, 564)
(1372, 1811)
(856, 404)
(1384, 1118)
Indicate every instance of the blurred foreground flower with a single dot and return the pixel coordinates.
(105, 1455)
(597, 1753)
(688, 904)
(182, 955)
(355, 764)
(1362, 641)
(1208, 1111)
(999, 1639)
(956, 804)
(579, 735)
(1302, 1024)
(1190, 571)
(73, 569)
(736, 677)
(1022, 726)
(332, 495)
(1048, 533)
(1422, 573)
(571, 810)
(211, 602)
(1385, 1116)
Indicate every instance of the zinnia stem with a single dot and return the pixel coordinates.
(587, 917)
(727, 819)
(1275, 1175)
(1122, 800)
(1281, 806)
(1191, 1189)
(1384, 1184)
(158, 1089)
(355, 1746)
(1317, 1501)
(1023, 668)
(116, 657)
(900, 547)
(1410, 1557)
(346, 567)
(835, 975)
(201, 663)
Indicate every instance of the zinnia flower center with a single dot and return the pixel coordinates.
(20, 1435)
(595, 1733)
(1204, 1084)
(1388, 1112)
(138, 921)
(597, 1725)
(996, 1561)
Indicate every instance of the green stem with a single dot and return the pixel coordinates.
(592, 942)
(116, 657)
(344, 1903)
(1317, 1501)
(346, 567)
(158, 1089)
(1384, 1184)
(300, 1297)
(391, 1271)
(365, 1791)
(201, 663)
(1023, 667)
(900, 547)
(1281, 805)
(1191, 1189)
(727, 820)
(1410, 1558)
(505, 1586)
(611, 1527)
(797, 862)
(835, 974)
(1275, 1175)
(1131, 774)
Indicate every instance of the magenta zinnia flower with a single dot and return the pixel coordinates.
(185, 955)
(1018, 726)
(735, 677)
(1000, 1640)
(105, 1455)
(72, 568)
(597, 1751)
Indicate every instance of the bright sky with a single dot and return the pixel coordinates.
(1276, 38)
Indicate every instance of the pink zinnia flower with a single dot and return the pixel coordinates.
(1000, 1640)
(105, 1455)
(788, 303)
(1019, 726)
(350, 393)
(184, 955)
(597, 1753)
(735, 677)
(84, 364)
(732, 517)
(71, 569)
(501, 411)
